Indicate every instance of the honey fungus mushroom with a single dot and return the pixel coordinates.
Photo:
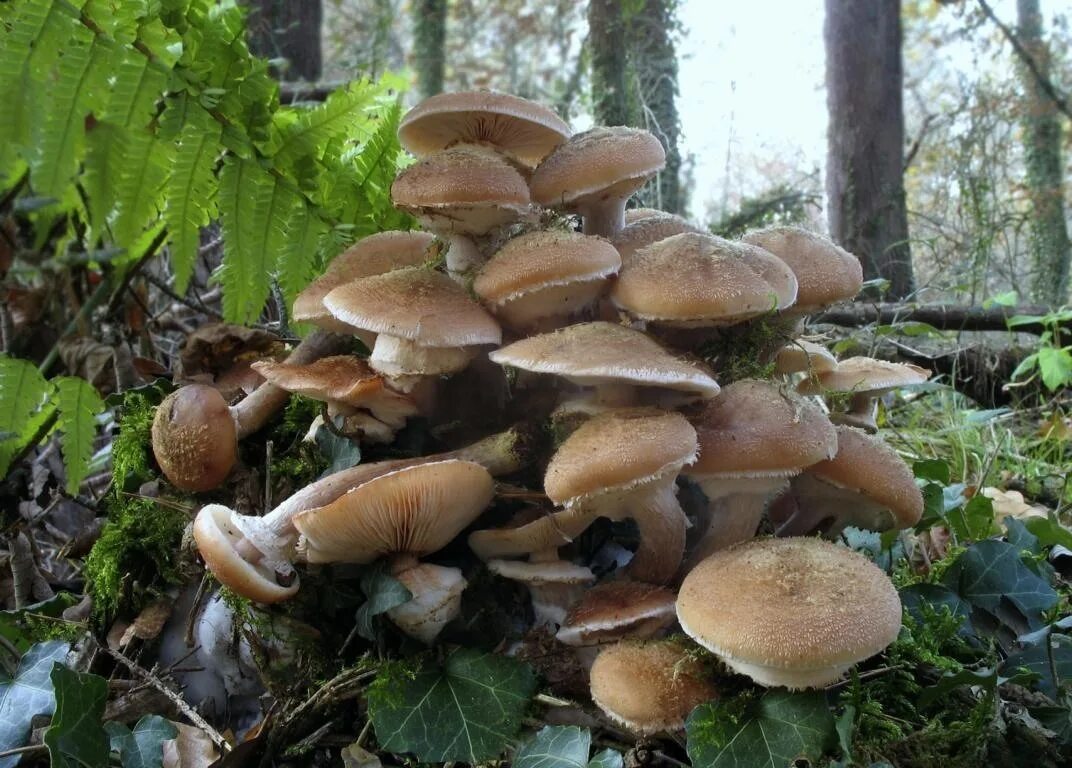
(616, 610)
(796, 612)
(866, 379)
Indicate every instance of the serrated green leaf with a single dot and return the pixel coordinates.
(298, 259)
(28, 694)
(1055, 366)
(989, 572)
(137, 86)
(138, 191)
(76, 738)
(469, 709)
(23, 395)
(142, 747)
(78, 404)
(775, 731)
(190, 192)
(555, 746)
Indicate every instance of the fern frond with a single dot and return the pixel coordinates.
(190, 193)
(106, 151)
(136, 88)
(77, 405)
(23, 394)
(254, 209)
(139, 185)
(298, 262)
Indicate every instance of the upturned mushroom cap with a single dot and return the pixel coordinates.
(194, 438)
(617, 451)
(217, 538)
(369, 256)
(616, 610)
(826, 273)
(525, 129)
(758, 429)
(541, 572)
(864, 375)
(865, 484)
(598, 164)
(597, 353)
(805, 356)
(421, 305)
(340, 378)
(649, 687)
(546, 274)
(795, 612)
(695, 280)
(642, 231)
(467, 189)
(416, 510)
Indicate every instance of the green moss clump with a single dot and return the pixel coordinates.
(131, 463)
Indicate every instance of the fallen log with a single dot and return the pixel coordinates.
(944, 317)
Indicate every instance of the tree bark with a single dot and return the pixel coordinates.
(613, 101)
(283, 29)
(944, 317)
(429, 45)
(865, 148)
(1050, 248)
(655, 62)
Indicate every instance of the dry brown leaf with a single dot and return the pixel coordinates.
(149, 622)
(1011, 503)
(354, 756)
(192, 748)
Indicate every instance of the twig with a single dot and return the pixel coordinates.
(864, 676)
(191, 714)
(28, 749)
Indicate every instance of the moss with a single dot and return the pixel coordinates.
(132, 464)
(746, 350)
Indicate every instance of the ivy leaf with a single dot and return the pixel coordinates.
(608, 758)
(934, 470)
(1021, 538)
(341, 452)
(1055, 365)
(468, 710)
(991, 571)
(79, 405)
(1048, 531)
(1036, 659)
(382, 592)
(773, 732)
(935, 596)
(144, 746)
(16, 626)
(76, 738)
(29, 693)
(555, 746)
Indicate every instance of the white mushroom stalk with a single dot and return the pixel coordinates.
(735, 509)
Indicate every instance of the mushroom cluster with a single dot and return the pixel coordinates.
(610, 331)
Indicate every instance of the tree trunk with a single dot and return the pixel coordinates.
(1050, 249)
(282, 29)
(655, 62)
(613, 101)
(865, 149)
(429, 39)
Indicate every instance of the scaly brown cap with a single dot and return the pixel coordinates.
(796, 612)
(805, 356)
(421, 305)
(194, 438)
(416, 510)
(618, 450)
(525, 129)
(699, 280)
(826, 273)
(340, 378)
(616, 610)
(642, 231)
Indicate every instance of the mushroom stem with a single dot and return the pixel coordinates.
(735, 509)
(463, 257)
(862, 413)
(661, 524)
(605, 218)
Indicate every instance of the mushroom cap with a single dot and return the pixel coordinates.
(618, 450)
(866, 465)
(541, 572)
(216, 537)
(525, 129)
(864, 375)
(339, 378)
(795, 611)
(467, 189)
(649, 687)
(593, 353)
(618, 609)
(599, 164)
(369, 256)
(539, 260)
(801, 355)
(758, 429)
(642, 231)
(415, 510)
(194, 438)
(421, 305)
(695, 279)
(826, 273)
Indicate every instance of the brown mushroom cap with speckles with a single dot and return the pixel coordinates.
(194, 438)
(649, 687)
(864, 375)
(591, 353)
(804, 356)
(421, 305)
(699, 280)
(617, 450)
(523, 128)
(796, 612)
(826, 273)
(615, 610)
(416, 510)
(640, 232)
(758, 429)
(372, 255)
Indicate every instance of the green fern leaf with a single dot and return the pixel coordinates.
(23, 396)
(254, 209)
(139, 185)
(106, 151)
(78, 405)
(136, 88)
(363, 193)
(190, 192)
(298, 259)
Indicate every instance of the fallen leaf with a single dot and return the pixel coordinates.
(192, 748)
(1011, 504)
